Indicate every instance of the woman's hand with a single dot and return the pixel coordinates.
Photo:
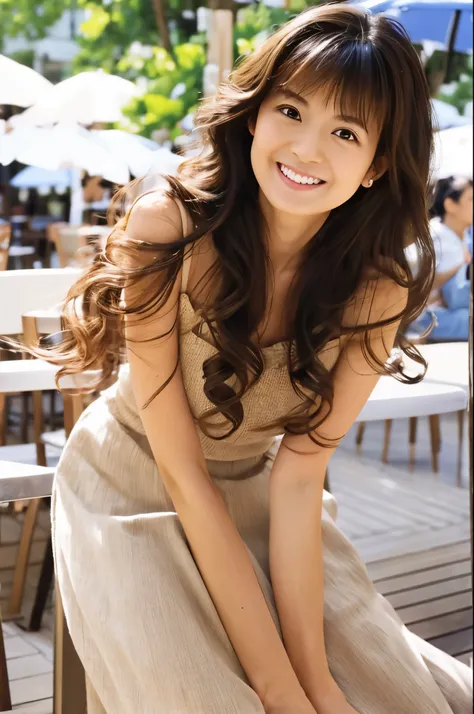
(298, 704)
(288, 708)
(331, 700)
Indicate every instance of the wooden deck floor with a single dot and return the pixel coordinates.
(411, 529)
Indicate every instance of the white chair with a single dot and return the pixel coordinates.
(21, 481)
(448, 363)
(22, 291)
(394, 400)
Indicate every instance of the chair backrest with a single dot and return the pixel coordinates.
(68, 242)
(25, 290)
(5, 236)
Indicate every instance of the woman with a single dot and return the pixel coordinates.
(260, 296)
(448, 308)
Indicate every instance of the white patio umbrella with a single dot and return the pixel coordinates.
(62, 147)
(447, 116)
(453, 152)
(20, 85)
(141, 155)
(85, 98)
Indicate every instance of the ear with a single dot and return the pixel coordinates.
(448, 204)
(376, 171)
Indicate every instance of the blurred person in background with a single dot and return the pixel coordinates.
(451, 230)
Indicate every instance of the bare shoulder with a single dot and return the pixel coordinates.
(155, 218)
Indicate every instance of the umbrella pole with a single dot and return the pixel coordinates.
(450, 43)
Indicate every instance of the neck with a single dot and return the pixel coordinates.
(455, 226)
(288, 235)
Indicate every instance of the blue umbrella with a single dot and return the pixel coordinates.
(447, 22)
(33, 177)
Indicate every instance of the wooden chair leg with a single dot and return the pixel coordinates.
(413, 424)
(25, 414)
(5, 698)
(386, 440)
(52, 409)
(38, 428)
(21, 565)
(44, 586)
(435, 441)
(69, 676)
(460, 446)
(360, 436)
(73, 408)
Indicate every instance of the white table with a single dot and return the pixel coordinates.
(24, 481)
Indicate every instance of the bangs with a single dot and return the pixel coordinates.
(348, 71)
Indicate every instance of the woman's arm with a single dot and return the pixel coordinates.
(457, 290)
(218, 549)
(442, 278)
(296, 490)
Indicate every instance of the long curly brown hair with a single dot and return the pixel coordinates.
(367, 64)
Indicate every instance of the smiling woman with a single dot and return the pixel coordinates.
(312, 144)
(258, 296)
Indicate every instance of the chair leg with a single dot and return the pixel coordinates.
(44, 586)
(386, 440)
(52, 409)
(360, 436)
(5, 698)
(435, 441)
(38, 428)
(21, 565)
(69, 675)
(413, 424)
(460, 445)
(25, 401)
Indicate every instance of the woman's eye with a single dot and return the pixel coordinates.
(290, 109)
(346, 134)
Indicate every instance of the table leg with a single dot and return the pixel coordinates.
(460, 416)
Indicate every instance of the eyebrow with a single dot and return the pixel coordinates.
(290, 94)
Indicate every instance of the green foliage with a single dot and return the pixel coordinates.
(155, 109)
(255, 22)
(29, 18)
(461, 90)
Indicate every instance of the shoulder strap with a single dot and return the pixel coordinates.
(188, 251)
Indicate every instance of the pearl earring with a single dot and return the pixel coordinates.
(370, 183)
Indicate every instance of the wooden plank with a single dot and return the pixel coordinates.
(445, 625)
(413, 542)
(454, 643)
(391, 567)
(435, 608)
(466, 658)
(402, 509)
(415, 596)
(424, 577)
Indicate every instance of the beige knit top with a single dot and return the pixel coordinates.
(270, 399)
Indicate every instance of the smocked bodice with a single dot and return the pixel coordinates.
(270, 399)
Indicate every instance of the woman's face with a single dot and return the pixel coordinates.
(306, 157)
(461, 210)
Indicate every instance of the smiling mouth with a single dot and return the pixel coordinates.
(300, 179)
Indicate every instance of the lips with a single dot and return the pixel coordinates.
(300, 178)
(298, 182)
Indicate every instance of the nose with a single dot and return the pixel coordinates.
(308, 147)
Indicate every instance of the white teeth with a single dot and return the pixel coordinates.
(297, 178)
